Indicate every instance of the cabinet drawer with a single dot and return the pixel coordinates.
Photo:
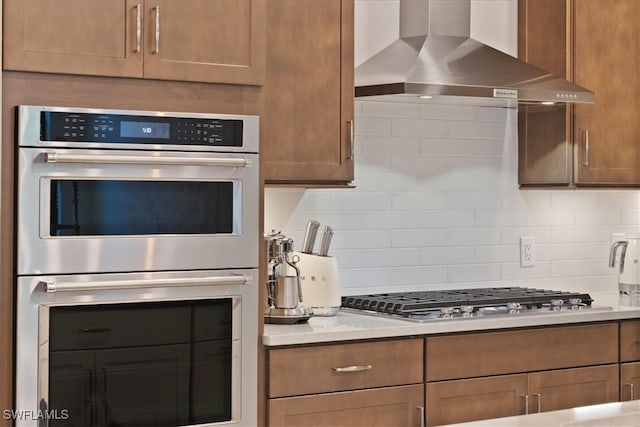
(336, 367)
(630, 341)
(389, 407)
(492, 353)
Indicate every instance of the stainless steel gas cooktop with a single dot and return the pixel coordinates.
(468, 303)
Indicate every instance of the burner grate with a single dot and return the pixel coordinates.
(406, 303)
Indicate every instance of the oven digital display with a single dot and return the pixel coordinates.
(144, 130)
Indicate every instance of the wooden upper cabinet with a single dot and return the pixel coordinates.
(607, 60)
(308, 92)
(543, 131)
(94, 37)
(221, 41)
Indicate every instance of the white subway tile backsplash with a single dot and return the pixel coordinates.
(418, 127)
(630, 216)
(372, 126)
(587, 267)
(391, 109)
(473, 272)
(538, 217)
(387, 145)
(476, 130)
(437, 205)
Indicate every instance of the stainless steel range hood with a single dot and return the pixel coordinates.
(435, 56)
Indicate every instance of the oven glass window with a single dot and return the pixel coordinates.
(141, 364)
(133, 208)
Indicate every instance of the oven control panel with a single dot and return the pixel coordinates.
(137, 129)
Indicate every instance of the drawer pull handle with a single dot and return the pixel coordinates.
(353, 368)
(94, 330)
(538, 401)
(526, 404)
(630, 385)
(422, 419)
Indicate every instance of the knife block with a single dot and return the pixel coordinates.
(320, 282)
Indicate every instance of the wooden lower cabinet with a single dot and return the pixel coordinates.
(629, 381)
(476, 399)
(630, 341)
(507, 395)
(401, 406)
(567, 388)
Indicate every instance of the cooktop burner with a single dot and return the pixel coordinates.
(465, 303)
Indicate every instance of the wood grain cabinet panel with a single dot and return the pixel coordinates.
(337, 367)
(94, 37)
(460, 401)
(629, 381)
(606, 52)
(222, 41)
(568, 388)
(448, 357)
(598, 41)
(305, 133)
(389, 407)
(544, 140)
(630, 340)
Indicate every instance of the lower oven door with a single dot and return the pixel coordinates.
(163, 349)
(95, 211)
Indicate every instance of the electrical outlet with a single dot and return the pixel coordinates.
(527, 251)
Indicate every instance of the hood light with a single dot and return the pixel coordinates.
(548, 103)
(425, 97)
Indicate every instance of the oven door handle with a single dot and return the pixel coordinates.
(50, 286)
(55, 157)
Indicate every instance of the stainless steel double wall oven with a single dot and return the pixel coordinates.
(137, 268)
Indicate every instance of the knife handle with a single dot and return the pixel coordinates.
(310, 236)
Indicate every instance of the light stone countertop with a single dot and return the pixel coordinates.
(617, 414)
(348, 326)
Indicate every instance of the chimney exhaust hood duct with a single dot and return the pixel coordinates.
(435, 56)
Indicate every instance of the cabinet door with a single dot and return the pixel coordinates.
(568, 388)
(630, 340)
(389, 407)
(143, 385)
(543, 132)
(71, 387)
(308, 92)
(220, 41)
(630, 381)
(95, 37)
(607, 59)
(459, 401)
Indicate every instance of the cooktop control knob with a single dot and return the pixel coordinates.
(446, 312)
(514, 307)
(576, 303)
(556, 304)
(466, 310)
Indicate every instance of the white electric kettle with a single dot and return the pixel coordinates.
(629, 274)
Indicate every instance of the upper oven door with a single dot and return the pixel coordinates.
(85, 211)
